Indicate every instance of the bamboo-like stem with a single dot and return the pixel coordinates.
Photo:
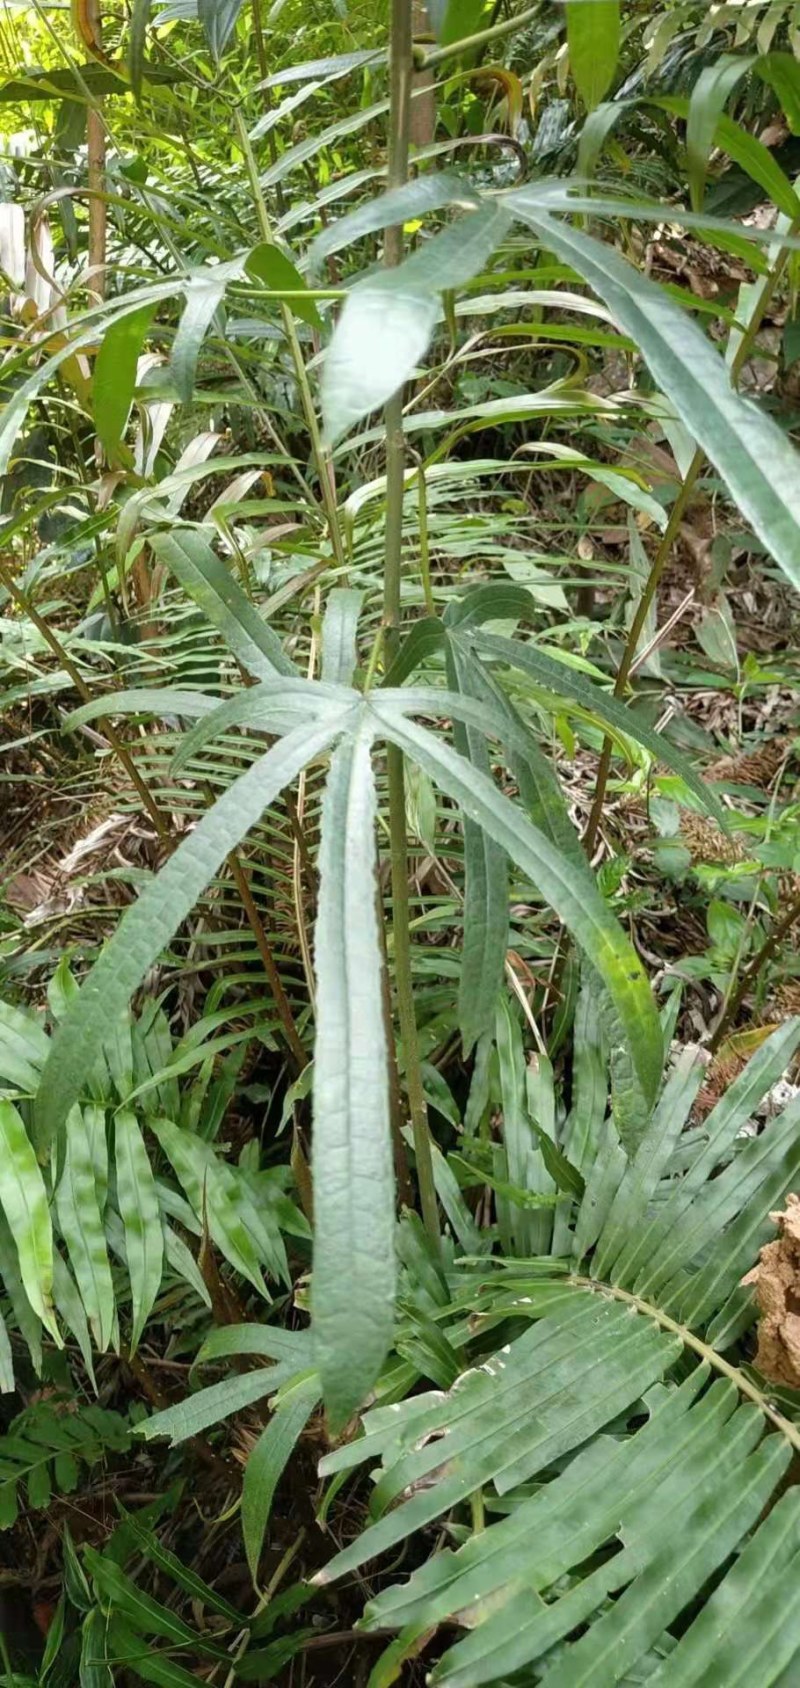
(427, 60)
(96, 177)
(664, 551)
(321, 455)
(397, 174)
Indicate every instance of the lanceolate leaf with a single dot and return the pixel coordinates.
(568, 682)
(212, 586)
(485, 915)
(218, 18)
(204, 293)
(353, 1285)
(571, 892)
(82, 1229)
(427, 193)
(593, 37)
(137, 1200)
(150, 923)
(268, 264)
(23, 1199)
(268, 1460)
(114, 376)
(387, 321)
(751, 453)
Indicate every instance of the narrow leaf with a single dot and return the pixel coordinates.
(137, 1199)
(213, 588)
(353, 1285)
(269, 1459)
(23, 1199)
(755, 459)
(151, 921)
(82, 1229)
(114, 376)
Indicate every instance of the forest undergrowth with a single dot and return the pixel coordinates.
(400, 870)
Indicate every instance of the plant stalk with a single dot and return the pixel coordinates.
(400, 61)
(321, 455)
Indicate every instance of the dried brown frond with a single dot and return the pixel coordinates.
(776, 1281)
(706, 842)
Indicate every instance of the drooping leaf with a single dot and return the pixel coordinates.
(753, 456)
(149, 924)
(387, 321)
(353, 1284)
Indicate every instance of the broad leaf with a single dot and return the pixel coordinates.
(114, 375)
(593, 41)
(268, 264)
(387, 321)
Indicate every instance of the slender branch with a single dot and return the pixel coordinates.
(397, 174)
(509, 26)
(322, 457)
(752, 971)
(96, 178)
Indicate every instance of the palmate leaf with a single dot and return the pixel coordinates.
(641, 1508)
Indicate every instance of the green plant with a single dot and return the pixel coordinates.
(343, 560)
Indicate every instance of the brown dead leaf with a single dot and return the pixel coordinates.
(776, 1280)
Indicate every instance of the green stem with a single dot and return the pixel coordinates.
(742, 353)
(397, 174)
(322, 458)
(509, 26)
